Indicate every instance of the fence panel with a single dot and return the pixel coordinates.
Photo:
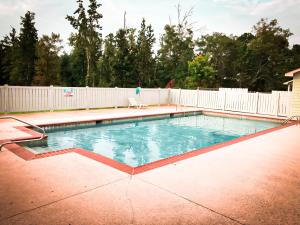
(2, 98)
(188, 97)
(77, 101)
(149, 96)
(238, 100)
(241, 102)
(164, 96)
(210, 99)
(25, 99)
(267, 104)
(283, 102)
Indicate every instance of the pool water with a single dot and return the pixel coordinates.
(140, 142)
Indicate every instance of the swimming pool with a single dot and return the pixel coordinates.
(145, 140)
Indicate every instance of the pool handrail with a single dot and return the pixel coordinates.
(43, 133)
(291, 118)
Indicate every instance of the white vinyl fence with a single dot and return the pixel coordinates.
(26, 99)
(276, 103)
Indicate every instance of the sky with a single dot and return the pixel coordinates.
(226, 16)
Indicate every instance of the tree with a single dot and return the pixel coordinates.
(201, 73)
(47, 64)
(295, 57)
(125, 69)
(177, 48)
(224, 52)
(23, 69)
(269, 55)
(145, 62)
(8, 54)
(88, 36)
(65, 68)
(4, 77)
(243, 63)
(107, 62)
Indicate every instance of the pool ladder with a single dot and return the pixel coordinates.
(291, 118)
(43, 133)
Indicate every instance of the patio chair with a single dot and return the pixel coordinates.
(134, 103)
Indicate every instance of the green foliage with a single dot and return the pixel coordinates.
(24, 52)
(295, 57)
(107, 62)
(176, 49)
(201, 73)
(66, 73)
(78, 65)
(128, 60)
(125, 69)
(268, 55)
(145, 62)
(224, 52)
(88, 37)
(47, 64)
(256, 60)
(8, 56)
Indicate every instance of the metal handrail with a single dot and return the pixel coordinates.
(43, 133)
(290, 118)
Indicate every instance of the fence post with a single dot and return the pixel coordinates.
(6, 99)
(178, 99)
(197, 97)
(159, 96)
(87, 98)
(224, 102)
(169, 96)
(116, 99)
(278, 104)
(257, 102)
(50, 102)
(289, 104)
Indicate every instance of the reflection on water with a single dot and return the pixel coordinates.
(138, 143)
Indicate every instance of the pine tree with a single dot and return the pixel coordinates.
(121, 66)
(47, 64)
(145, 61)
(107, 62)
(8, 53)
(177, 48)
(88, 36)
(66, 73)
(23, 69)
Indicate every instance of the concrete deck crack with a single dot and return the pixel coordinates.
(189, 200)
(67, 197)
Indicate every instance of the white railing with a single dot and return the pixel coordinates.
(26, 99)
(276, 103)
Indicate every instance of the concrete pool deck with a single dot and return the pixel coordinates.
(256, 181)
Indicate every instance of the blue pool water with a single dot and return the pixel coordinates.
(138, 143)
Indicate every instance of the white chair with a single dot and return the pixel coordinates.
(134, 103)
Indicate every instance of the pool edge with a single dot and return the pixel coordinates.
(28, 155)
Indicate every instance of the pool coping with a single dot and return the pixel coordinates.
(28, 155)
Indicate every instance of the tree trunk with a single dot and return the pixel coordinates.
(88, 72)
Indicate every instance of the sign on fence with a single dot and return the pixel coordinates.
(68, 92)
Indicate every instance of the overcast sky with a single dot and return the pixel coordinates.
(227, 16)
